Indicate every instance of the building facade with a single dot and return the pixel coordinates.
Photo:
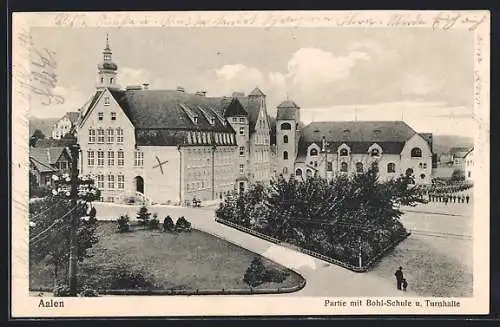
(333, 148)
(65, 125)
(171, 146)
(469, 165)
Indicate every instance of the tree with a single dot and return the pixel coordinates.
(458, 175)
(143, 216)
(50, 232)
(37, 135)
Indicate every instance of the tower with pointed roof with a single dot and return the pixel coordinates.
(107, 69)
(287, 136)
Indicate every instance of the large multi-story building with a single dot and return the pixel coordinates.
(170, 145)
(332, 148)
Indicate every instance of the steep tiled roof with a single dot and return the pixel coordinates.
(235, 109)
(256, 92)
(48, 156)
(287, 110)
(358, 135)
(41, 167)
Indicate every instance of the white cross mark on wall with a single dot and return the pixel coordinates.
(160, 164)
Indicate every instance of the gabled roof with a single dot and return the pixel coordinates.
(288, 104)
(41, 167)
(358, 135)
(256, 92)
(235, 109)
(47, 156)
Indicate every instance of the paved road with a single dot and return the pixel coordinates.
(322, 279)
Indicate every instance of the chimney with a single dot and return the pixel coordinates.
(180, 89)
(145, 86)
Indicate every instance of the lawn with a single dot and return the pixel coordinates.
(194, 260)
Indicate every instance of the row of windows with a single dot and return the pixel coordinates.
(241, 119)
(106, 136)
(343, 152)
(206, 138)
(108, 181)
(100, 115)
(91, 156)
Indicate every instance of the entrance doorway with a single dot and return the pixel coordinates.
(139, 184)
(242, 187)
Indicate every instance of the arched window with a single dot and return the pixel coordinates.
(375, 152)
(343, 167)
(416, 153)
(111, 80)
(102, 80)
(285, 155)
(343, 152)
(285, 170)
(286, 126)
(298, 172)
(313, 152)
(309, 172)
(409, 172)
(285, 139)
(359, 167)
(422, 176)
(391, 167)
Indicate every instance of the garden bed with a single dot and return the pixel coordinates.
(156, 262)
(320, 256)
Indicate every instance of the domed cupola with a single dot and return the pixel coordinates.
(107, 69)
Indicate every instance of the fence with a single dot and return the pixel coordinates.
(222, 291)
(320, 256)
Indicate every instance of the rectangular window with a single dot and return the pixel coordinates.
(113, 116)
(106, 101)
(111, 135)
(100, 135)
(121, 158)
(242, 151)
(139, 159)
(242, 168)
(63, 165)
(242, 130)
(111, 181)
(100, 115)
(235, 119)
(329, 166)
(242, 120)
(91, 135)
(119, 135)
(100, 158)
(111, 158)
(121, 182)
(90, 158)
(100, 181)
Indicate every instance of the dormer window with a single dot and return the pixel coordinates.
(346, 134)
(195, 119)
(375, 152)
(313, 152)
(343, 152)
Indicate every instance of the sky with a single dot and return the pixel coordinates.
(421, 76)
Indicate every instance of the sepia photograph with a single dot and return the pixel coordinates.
(281, 161)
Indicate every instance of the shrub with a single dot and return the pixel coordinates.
(275, 275)
(87, 291)
(182, 225)
(154, 222)
(123, 224)
(168, 224)
(123, 279)
(143, 216)
(61, 290)
(255, 273)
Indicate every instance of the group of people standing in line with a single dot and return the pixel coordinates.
(449, 198)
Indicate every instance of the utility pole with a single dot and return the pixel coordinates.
(360, 258)
(73, 254)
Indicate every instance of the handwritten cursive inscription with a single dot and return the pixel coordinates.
(41, 79)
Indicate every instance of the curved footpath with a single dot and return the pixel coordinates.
(322, 278)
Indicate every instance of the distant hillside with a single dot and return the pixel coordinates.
(43, 124)
(443, 143)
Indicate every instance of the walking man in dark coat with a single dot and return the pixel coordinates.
(399, 277)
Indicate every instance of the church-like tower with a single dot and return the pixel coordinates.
(287, 136)
(107, 69)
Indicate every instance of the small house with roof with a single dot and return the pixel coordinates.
(46, 161)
